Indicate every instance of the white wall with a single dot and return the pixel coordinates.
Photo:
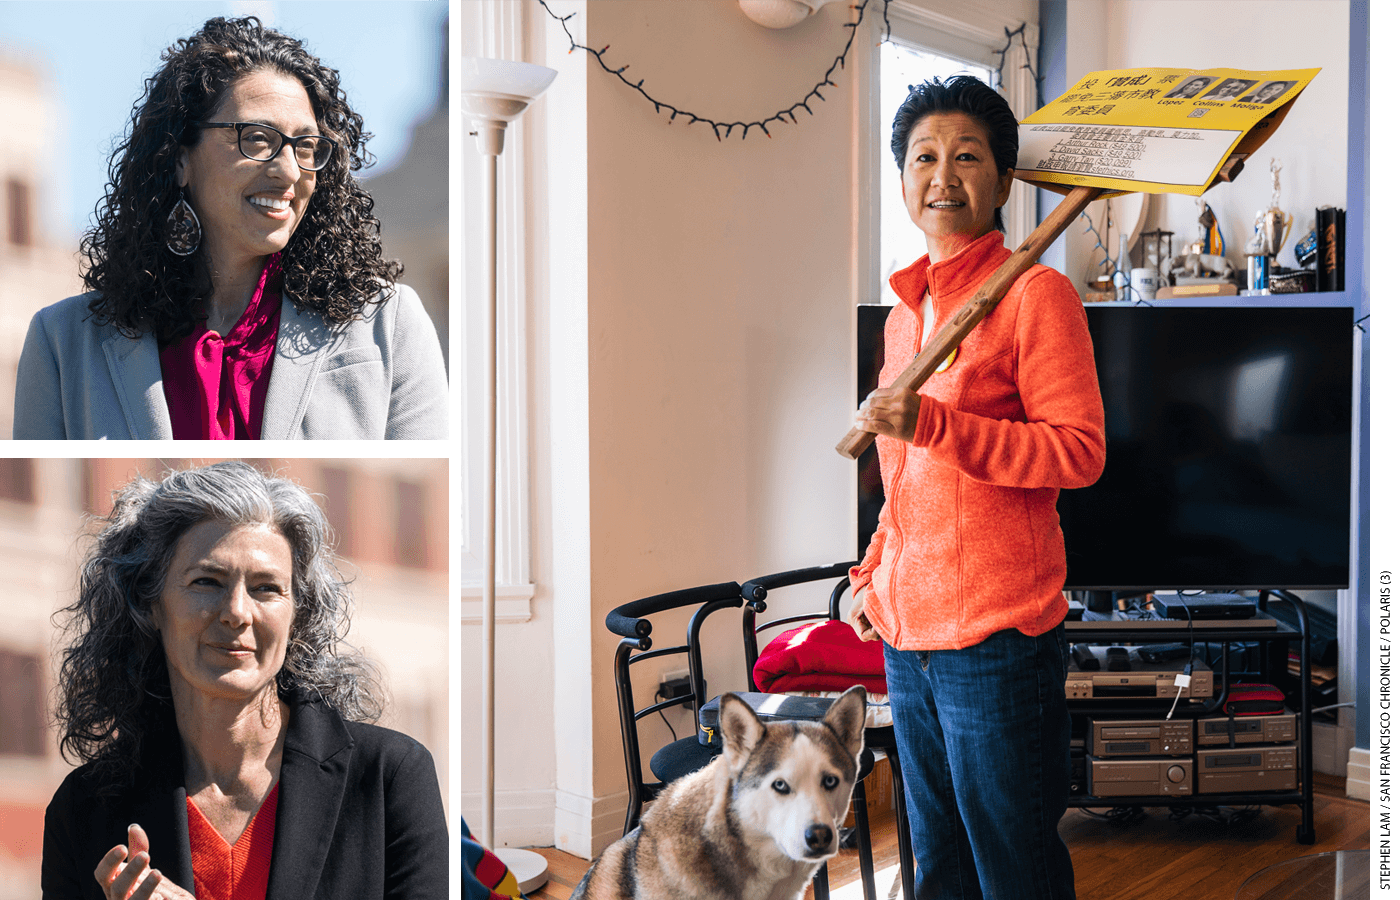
(692, 365)
(1311, 145)
(691, 354)
(719, 297)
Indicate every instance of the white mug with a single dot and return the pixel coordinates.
(1144, 283)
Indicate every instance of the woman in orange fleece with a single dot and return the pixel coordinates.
(963, 578)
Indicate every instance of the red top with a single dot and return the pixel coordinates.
(216, 386)
(969, 542)
(239, 872)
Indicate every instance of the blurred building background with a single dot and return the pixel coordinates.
(390, 520)
(411, 203)
(37, 267)
(70, 72)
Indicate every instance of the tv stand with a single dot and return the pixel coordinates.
(1271, 640)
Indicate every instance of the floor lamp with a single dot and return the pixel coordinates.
(495, 92)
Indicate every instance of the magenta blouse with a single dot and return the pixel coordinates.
(216, 385)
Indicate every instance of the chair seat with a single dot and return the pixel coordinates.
(679, 758)
(881, 738)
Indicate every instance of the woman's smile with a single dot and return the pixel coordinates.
(278, 207)
(233, 650)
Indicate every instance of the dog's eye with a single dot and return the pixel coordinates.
(830, 782)
(781, 786)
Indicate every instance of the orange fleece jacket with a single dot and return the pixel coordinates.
(969, 542)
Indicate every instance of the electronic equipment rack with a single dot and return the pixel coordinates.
(1270, 652)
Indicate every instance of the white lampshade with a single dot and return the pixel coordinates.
(780, 13)
(497, 91)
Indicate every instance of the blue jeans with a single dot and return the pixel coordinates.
(983, 736)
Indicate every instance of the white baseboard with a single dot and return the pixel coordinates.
(1331, 747)
(523, 818)
(1359, 774)
(581, 826)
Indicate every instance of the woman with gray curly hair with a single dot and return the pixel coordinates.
(224, 729)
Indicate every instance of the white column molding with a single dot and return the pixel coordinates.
(494, 29)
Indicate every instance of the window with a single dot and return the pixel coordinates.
(900, 66)
(21, 231)
(411, 521)
(928, 39)
(22, 717)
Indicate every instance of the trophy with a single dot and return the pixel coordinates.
(1271, 228)
(1275, 224)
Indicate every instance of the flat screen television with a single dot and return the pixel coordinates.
(1229, 450)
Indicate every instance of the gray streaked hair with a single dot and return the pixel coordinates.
(113, 683)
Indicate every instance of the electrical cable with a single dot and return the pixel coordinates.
(656, 698)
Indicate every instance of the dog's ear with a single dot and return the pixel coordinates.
(740, 728)
(847, 718)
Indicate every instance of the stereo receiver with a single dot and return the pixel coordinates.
(1139, 737)
(1140, 777)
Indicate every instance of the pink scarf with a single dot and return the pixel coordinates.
(216, 386)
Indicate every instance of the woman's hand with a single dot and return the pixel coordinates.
(126, 874)
(856, 617)
(890, 411)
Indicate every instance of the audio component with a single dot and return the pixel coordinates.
(1139, 737)
(1140, 777)
(1248, 730)
(1144, 679)
(1078, 768)
(1247, 770)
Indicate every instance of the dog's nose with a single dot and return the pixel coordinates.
(818, 837)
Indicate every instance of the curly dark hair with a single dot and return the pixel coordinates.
(965, 94)
(114, 687)
(333, 263)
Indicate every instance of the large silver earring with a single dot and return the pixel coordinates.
(182, 229)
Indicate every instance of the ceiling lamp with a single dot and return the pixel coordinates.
(780, 13)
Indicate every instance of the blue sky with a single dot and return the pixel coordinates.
(98, 55)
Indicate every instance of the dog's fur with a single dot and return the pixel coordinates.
(754, 824)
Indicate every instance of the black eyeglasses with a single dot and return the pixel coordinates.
(261, 143)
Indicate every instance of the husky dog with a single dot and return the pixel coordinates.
(754, 824)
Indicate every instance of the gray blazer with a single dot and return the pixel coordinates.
(378, 377)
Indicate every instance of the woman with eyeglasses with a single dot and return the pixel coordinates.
(237, 288)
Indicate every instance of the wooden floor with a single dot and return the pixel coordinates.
(1155, 858)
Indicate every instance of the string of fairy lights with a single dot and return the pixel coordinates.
(1001, 61)
(787, 115)
(723, 130)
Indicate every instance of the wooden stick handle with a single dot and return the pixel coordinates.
(975, 310)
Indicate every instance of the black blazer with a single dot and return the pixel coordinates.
(358, 815)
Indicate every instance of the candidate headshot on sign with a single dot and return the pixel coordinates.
(1268, 92)
(1228, 89)
(1190, 87)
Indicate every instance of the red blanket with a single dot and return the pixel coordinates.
(822, 656)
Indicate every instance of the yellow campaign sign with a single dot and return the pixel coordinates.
(1155, 130)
